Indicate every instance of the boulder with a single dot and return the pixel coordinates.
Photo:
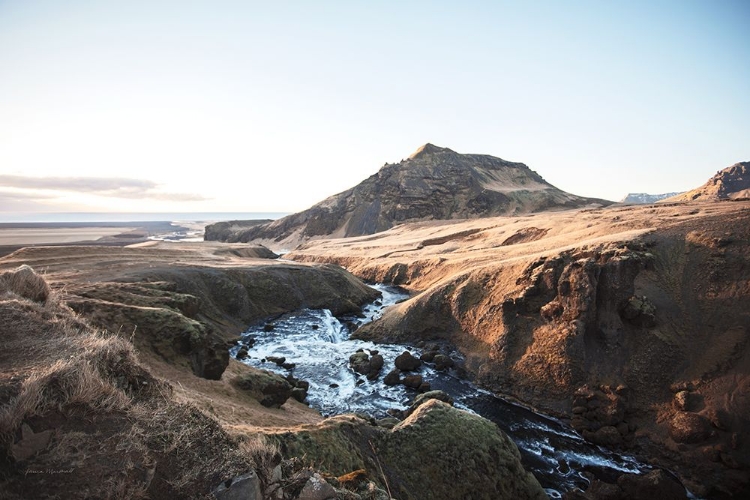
(605, 436)
(244, 487)
(367, 365)
(686, 427)
(412, 381)
(428, 356)
(278, 360)
(442, 452)
(299, 394)
(393, 377)
(443, 362)
(406, 362)
(270, 389)
(316, 488)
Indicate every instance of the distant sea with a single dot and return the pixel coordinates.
(135, 216)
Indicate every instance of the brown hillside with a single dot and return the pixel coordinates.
(728, 184)
(432, 184)
(633, 319)
(114, 383)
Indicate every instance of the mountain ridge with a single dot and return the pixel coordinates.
(730, 183)
(434, 183)
(642, 198)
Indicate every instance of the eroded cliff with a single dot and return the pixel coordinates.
(630, 321)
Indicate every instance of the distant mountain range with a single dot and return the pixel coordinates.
(644, 198)
(434, 183)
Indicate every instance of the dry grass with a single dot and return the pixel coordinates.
(106, 415)
(263, 454)
(24, 282)
(66, 382)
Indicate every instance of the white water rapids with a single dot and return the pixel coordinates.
(318, 345)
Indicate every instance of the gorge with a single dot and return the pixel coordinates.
(616, 336)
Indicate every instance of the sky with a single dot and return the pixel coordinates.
(273, 106)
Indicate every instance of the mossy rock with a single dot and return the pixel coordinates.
(440, 453)
(270, 389)
(166, 332)
(338, 445)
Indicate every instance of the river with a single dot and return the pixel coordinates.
(318, 345)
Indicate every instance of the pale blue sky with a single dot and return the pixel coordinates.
(274, 106)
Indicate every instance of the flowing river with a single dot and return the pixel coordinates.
(318, 345)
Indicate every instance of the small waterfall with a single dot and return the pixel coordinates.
(333, 331)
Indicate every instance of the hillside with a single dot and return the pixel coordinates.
(631, 321)
(116, 382)
(434, 183)
(729, 184)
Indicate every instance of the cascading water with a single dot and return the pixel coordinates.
(318, 346)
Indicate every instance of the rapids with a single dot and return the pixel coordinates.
(318, 345)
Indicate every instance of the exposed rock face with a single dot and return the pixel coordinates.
(640, 336)
(433, 184)
(226, 230)
(728, 184)
(186, 312)
(423, 457)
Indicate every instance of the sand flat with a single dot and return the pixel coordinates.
(57, 235)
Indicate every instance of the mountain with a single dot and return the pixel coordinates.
(434, 183)
(645, 198)
(729, 184)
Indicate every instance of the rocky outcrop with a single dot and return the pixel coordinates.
(432, 184)
(574, 302)
(639, 337)
(227, 230)
(728, 184)
(423, 457)
(270, 389)
(367, 364)
(77, 406)
(185, 313)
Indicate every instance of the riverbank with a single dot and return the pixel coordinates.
(148, 328)
(629, 321)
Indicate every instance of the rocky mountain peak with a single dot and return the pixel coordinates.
(433, 184)
(427, 150)
(728, 184)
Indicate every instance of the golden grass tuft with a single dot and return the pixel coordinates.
(106, 416)
(26, 283)
(65, 382)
